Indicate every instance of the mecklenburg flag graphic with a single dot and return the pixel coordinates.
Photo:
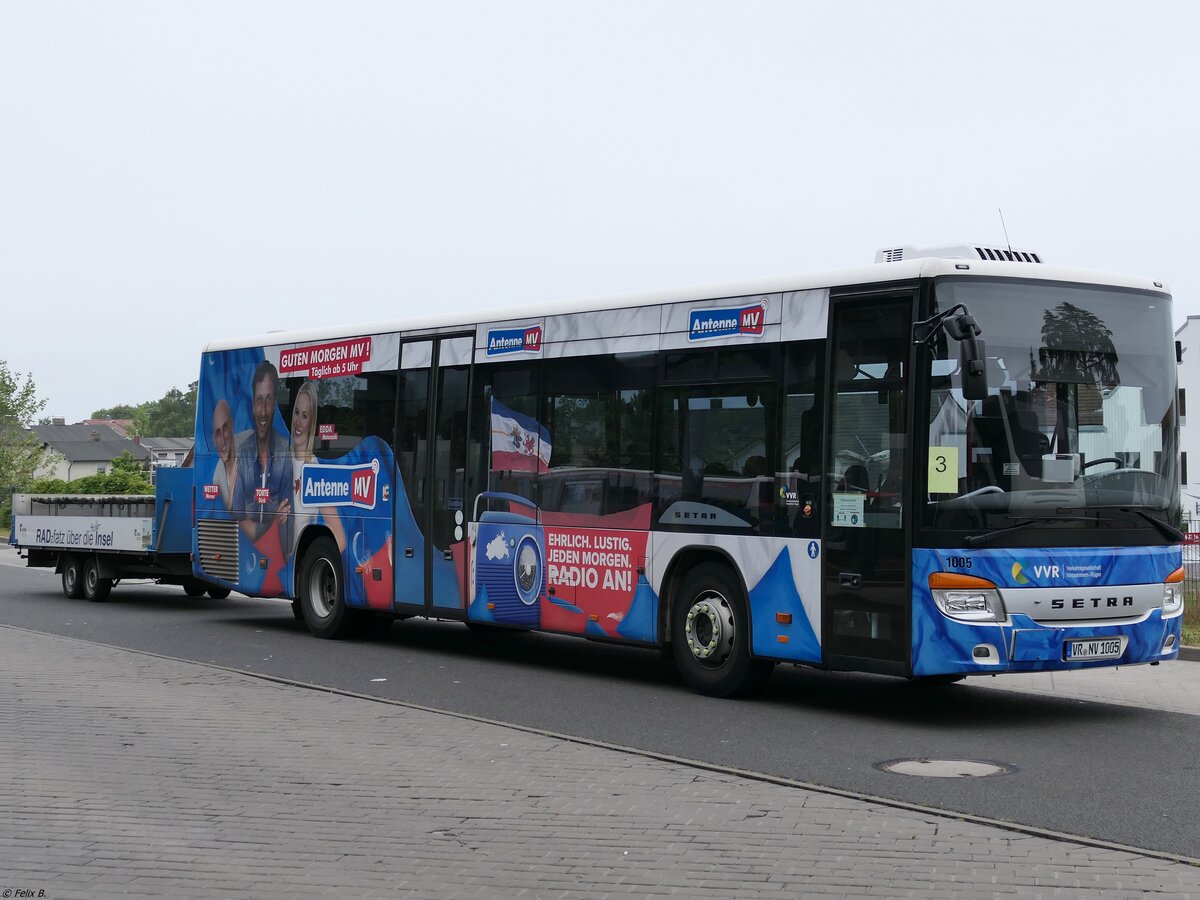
(519, 443)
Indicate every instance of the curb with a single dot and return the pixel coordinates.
(1190, 653)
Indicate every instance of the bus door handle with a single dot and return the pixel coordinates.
(850, 580)
(447, 554)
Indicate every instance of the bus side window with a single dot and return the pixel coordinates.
(504, 391)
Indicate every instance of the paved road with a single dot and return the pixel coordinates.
(123, 774)
(811, 727)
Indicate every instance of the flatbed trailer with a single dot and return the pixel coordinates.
(95, 541)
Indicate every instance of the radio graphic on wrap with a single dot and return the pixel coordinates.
(524, 339)
(330, 485)
(705, 324)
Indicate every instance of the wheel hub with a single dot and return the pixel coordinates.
(709, 629)
(322, 587)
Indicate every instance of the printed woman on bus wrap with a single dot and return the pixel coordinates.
(304, 432)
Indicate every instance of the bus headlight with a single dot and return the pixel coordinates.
(1172, 604)
(967, 598)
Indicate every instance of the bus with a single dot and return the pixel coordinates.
(952, 462)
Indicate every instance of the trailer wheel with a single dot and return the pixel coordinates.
(193, 588)
(94, 587)
(218, 593)
(710, 634)
(322, 595)
(72, 577)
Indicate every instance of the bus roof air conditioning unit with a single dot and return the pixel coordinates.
(957, 251)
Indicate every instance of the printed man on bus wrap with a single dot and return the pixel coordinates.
(264, 478)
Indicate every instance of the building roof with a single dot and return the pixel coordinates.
(87, 443)
(168, 444)
(120, 426)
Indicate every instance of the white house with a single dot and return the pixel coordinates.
(73, 451)
(1188, 335)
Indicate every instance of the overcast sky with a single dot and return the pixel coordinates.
(175, 172)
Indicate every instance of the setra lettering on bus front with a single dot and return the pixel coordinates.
(1095, 602)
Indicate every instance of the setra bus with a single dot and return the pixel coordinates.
(949, 463)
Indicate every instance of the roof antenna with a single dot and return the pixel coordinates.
(1005, 227)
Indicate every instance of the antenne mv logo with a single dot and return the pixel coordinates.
(328, 485)
(526, 339)
(705, 324)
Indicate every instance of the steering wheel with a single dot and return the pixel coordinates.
(1108, 459)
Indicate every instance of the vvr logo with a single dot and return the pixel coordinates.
(705, 324)
(1019, 576)
(340, 485)
(514, 340)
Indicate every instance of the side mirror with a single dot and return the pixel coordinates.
(972, 359)
(972, 354)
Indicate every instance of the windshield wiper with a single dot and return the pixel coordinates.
(975, 540)
(1166, 529)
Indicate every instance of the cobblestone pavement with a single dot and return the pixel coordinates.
(127, 774)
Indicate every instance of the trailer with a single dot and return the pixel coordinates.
(95, 541)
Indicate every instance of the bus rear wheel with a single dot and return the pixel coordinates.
(322, 593)
(72, 577)
(218, 593)
(710, 634)
(95, 587)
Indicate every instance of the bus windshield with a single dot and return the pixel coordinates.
(1079, 421)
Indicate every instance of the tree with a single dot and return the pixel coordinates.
(19, 406)
(126, 477)
(120, 411)
(174, 415)
(1077, 347)
(20, 450)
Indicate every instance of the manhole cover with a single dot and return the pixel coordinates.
(945, 768)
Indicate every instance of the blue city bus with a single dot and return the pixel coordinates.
(949, 463)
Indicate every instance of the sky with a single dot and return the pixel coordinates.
(174, 173)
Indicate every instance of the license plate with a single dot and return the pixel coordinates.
(1094, 648)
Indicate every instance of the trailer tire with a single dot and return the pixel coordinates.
(322, 592)
(193, 588)
(710, 634)
(72, 577)
(218, 593)
(95, 588)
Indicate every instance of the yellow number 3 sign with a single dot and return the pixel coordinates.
(943, 470)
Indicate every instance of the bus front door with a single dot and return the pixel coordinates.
(447, 529)
(866, 611)
(431, 451)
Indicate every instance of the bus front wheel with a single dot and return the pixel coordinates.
(322, 595)
(72, 577)
(710, 634)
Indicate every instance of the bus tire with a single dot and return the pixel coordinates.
(72, 576)
(710, 634)
(95, 588)
(218, 593)
(193, 588)
(322, 591)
